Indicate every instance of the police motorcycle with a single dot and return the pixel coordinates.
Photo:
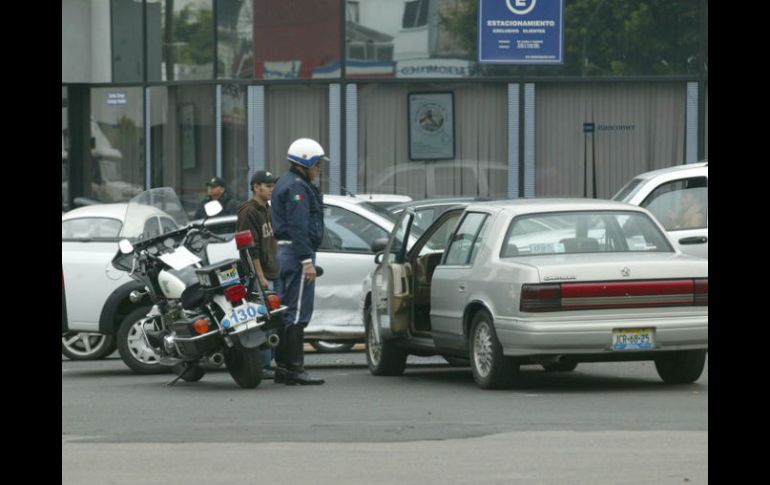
(201, 313)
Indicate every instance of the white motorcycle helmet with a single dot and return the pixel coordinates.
(306, 152)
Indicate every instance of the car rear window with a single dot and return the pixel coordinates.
(90, 228)
(583, 232)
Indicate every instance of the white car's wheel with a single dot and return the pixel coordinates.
(382, 357)
(324, 347)
(491, 369)
(86, 345)
(134, 351)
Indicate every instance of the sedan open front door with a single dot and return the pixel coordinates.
(391, 283)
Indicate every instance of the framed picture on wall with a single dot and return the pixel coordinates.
(187, 135)
(431, 126)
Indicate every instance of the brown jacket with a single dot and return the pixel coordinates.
(259, 220)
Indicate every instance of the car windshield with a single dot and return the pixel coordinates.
(152, 213)
(90, 228)
(583, 232)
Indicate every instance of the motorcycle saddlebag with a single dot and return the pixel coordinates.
(184, 330)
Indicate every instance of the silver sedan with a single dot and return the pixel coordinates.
(548, 282)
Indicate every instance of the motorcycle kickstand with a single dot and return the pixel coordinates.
(182, 374)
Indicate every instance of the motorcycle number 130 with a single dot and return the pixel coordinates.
(242, 314)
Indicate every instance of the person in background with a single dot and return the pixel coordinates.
(255, 215)
(216, 190)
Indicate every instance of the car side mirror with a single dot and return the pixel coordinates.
(378, 257)
(379, 245)
(212, 208)
(125, 246)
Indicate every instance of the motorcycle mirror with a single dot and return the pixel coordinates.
(212, 208)
(125, 246)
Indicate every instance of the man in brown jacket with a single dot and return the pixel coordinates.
(255, 215)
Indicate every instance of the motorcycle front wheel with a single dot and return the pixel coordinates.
(244, 365)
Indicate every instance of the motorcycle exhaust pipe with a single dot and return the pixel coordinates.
(217, 359)
(273, 340)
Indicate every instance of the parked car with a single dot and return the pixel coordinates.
(385, 201)
(678, 198)
(97, 295)
(552, 282)
(428, 210)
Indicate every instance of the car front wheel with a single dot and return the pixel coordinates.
(491, 369)
(682, 367)
(382, 357)
(86, 345)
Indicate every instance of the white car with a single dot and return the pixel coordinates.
(678, 198)
(552, 282)
(97, 295)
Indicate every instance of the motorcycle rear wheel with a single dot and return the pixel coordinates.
(244, 365)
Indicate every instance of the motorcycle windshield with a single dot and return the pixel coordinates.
(152, 213)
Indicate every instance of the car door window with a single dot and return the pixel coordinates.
(461, 249)
(349, 232)
(423, 218)
(680, 204)
(439, 240)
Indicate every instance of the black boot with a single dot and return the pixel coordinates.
(281, 352)
(295, 370)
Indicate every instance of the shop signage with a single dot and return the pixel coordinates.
(521, 31)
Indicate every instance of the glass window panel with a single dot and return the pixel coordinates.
(235, 157)
(183, 141)
(117, 144)
(348, 232)
(235, 39)
(90, 228)
(680, 204)
(461, 248)
(126, 19)
(65, 147)
(297, 39)
(180, 37)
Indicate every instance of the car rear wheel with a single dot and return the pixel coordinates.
(682, 367)
(325, 347)
(133, 348)
(382, 357)
(491, 369)
(87, 346)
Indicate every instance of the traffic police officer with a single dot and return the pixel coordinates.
(298, 226)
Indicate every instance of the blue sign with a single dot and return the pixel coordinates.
(521, 31)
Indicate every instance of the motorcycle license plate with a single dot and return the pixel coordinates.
(633, 339)
(228, 276)
(244, 316)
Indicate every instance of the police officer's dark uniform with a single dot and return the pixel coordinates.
(229, 205)
(298, 226)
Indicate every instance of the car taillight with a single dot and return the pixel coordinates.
(702, 292)
(235, 293)
(540, 298)
(273, 301)
(244, 239)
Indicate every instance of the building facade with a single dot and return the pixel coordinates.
(173, 92)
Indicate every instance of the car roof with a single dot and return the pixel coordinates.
(536, 205)
(674, 169)
(439, 201)
(111, 211)
(382, 197)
